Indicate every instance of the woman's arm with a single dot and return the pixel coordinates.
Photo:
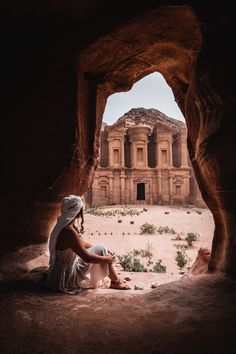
(86, 244)
(78, 245)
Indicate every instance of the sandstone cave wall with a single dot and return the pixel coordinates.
(54, 87)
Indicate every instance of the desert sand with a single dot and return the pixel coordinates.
(184, 316)
(123, 237)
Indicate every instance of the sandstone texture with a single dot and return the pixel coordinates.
(60, 61)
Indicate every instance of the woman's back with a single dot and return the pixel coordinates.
(68, 269)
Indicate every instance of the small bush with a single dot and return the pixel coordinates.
(181, 258)
(137, 266)
(145, 209)
(191, 237)
(147, 228)
(131, 262)
(126, 261)
(110, 213)
(166, 230)
(177, 238)
(131, 222)
(159, 268)
(119, 221)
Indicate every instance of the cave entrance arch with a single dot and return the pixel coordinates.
(155, 42)
(160, 40)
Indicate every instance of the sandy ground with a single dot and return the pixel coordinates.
(123, 237)
(193, 315)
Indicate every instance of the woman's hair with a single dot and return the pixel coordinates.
(81, 214)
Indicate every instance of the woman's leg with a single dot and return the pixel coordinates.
(102, 251)
(112, 273)
(116, 282)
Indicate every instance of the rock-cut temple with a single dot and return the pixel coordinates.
(144, 160)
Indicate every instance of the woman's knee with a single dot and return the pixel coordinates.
(100, 250)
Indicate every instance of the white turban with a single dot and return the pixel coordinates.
(70, 207)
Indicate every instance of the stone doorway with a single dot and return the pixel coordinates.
(140, 191)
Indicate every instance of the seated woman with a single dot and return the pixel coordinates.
(72, 258)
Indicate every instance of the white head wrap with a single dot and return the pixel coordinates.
(70, 207)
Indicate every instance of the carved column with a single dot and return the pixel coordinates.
(164, 142)
(122, 152)
(183, 148)
(138, 136)
(170, 150)
(109, 152)
(116, 142)
(110, 195)
(95, 192)
(171, 189)
(159, 181)
(131, 190)
(122, 188)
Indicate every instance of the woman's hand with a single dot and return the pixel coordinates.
(110, 258)
(112, 253)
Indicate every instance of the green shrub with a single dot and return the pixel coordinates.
(131, 261)
(126, 261)
(181, 258)
(177, 238)
(191, 237)
(166, 230)
(112, 212)
(137, 266)
(159, 268)
(147, 228)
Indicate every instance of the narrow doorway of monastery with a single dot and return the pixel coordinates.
(140, 191)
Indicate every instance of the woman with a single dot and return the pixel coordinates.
(72, 258)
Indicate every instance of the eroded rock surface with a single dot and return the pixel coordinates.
(60, 63)
(189, 316)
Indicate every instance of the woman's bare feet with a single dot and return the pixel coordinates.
(119, 285)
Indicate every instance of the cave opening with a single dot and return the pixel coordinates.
(53, 106)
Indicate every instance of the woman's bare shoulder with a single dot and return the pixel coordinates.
(68, 232)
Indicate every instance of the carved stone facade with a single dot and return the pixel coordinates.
(144, 160)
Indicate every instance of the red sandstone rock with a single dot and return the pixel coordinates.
(60, 63)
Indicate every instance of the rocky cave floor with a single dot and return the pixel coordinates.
(196, 314)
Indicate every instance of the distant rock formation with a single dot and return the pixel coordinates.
(148, 117)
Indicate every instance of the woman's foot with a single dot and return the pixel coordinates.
(119, 285)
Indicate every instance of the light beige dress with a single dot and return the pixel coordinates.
(70, 274)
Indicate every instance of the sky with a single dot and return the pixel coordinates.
(150, 92)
